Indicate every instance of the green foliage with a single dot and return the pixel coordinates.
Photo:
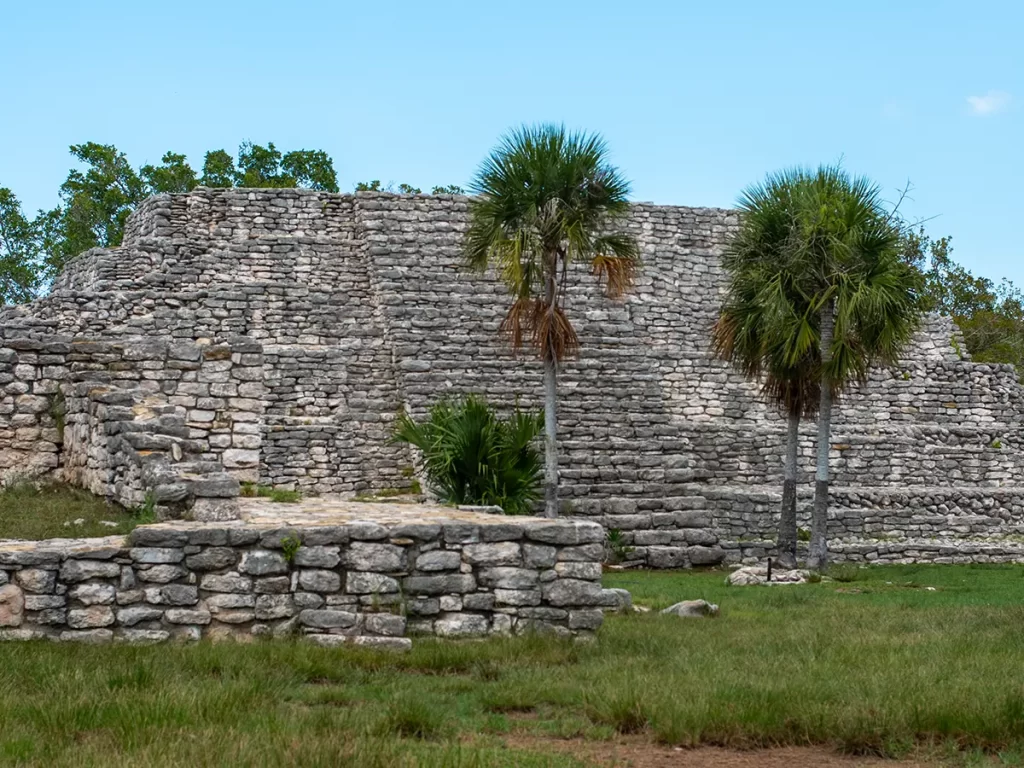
(146, 512)
(310, 169)
(803, 534)
(96, 202)
(405, 189)
(289, 547)
(990, 315)
(280, 495)
(997, 444)
(847, 572)
(471, 456)
(174, 175)
(879, 669)
(545, 198)
(44, 509)
(57, 410)
(412, 716)
(97, 199)
(618, 550)
(809, 240)
(218, 170)
(20, 252)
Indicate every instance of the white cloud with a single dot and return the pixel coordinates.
(989, 104)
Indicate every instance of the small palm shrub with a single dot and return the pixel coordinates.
(472, 456)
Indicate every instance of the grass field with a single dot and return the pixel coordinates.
(876, 664)
(49, 510)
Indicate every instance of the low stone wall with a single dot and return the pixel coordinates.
(885, 525)
(335, 572)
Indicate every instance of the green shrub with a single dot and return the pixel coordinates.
(472, 456)
(290, 546)
(280, 495)
(616, 546)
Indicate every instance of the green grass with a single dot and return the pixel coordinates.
(48, 510)
(280, 495)
(875, 665)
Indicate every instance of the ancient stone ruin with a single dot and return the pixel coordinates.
(272, 336)
(333, 573)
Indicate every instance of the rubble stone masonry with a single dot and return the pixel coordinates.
(273, 335)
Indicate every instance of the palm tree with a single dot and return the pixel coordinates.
(758, 319)
(547, 198)
(866, 299)
(828, 297)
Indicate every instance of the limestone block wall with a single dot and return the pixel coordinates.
(31, 371)
(358, 306)
(360, 582)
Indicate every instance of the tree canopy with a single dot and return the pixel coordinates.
(103, 189)
(989, 314)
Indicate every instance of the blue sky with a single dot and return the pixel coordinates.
(696, 100)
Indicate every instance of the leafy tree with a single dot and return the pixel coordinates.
(174, 175)
(260, 166)
(406, 189)
(311, 169)
(397, 189)
(829, 291)
(96, 201)
(990, 315)
(547, 198)
(19, 252)
(218, 170)
(473, 457)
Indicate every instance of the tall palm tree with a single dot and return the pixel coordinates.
(757, 324)
(547, 198)
(823, 295)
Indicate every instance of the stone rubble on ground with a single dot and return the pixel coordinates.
(692, 609)
(755, 575)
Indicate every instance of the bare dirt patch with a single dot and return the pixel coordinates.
(641, 752)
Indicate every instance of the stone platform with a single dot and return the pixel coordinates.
(331, 570)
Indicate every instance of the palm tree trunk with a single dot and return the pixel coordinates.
(550, 403)
(818, 556)
(550, 439)
(787, 517)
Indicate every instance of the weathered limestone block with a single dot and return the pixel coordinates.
(83, 570)
(369, 583)
(90, 618)
(461, 625)
(367, 556)
(319, 581)
(12, 606)
(36, 580)
(317, 557)
(439, 560)
(562, 592)
(502, 553)
(263, 563)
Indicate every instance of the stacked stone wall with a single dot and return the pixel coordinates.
(359, 306)
(358, 582)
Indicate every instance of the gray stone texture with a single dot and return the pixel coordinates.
(117, 590)
(271, 336)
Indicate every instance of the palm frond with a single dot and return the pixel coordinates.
(545, 198)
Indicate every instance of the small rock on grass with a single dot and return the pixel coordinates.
(758, 574)
(692, 609)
